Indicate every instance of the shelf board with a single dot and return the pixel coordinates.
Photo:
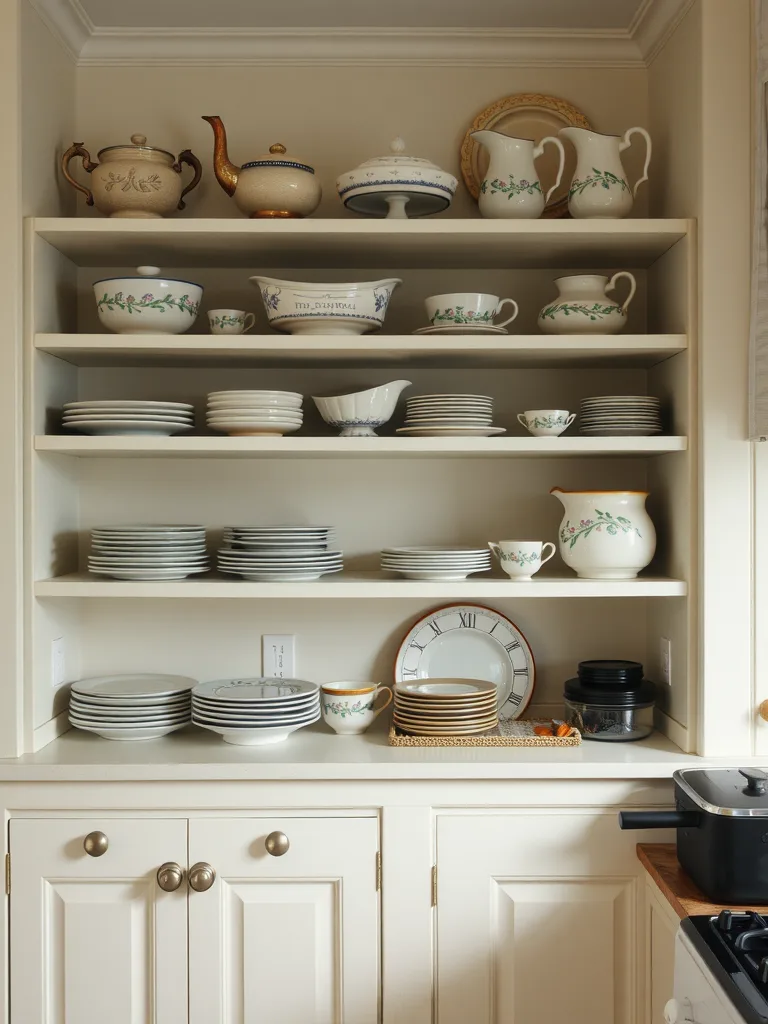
(532, 350)
(361, 243)
(358, 585)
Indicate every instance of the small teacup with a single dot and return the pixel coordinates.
(230, 321)
(520, 559)
(467, 309)
(546, 422)
(348, 707)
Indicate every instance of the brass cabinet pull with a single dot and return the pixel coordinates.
(277, 844)
(201, 876)
(95, 844)
(169, 876)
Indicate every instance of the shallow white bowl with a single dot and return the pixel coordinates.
(147, 304)
(303, 307)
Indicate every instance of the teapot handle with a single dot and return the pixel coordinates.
(627, 142)
(188, 157)
(77, 149)
(632, 286)
(538, 150)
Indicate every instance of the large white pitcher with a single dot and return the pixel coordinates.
(600, 187)
(511, 187)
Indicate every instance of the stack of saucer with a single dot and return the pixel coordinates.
(445, 707)
(255, 413)
(124, 417)
(620, 416)
(278, 553)
(255, 711)
(449, 416)
(131, 707)
(147, 552)
(435, 563)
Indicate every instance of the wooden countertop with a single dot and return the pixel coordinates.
(685, 898)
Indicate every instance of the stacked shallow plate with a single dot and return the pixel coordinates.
(255, 413)
(123, 417)
(445, 707)
(278, 553)
(148, 552)
(131, 707)
(620, 416)
(255, 711)
(449, 416)
(430, 563)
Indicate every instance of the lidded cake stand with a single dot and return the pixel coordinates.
(397, 186)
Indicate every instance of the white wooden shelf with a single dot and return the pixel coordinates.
(358, 585)
(350, 242)
(357, 447)
(531, 350)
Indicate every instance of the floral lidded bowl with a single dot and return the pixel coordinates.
(147, 304)
(397, 186)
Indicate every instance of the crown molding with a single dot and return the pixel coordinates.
(68, 22)
(654, 24)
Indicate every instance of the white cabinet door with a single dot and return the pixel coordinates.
(96, 938)
(292, 939)
(536, 919)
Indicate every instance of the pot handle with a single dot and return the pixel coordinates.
(627, 142)
(77, 149)
(188, 157)
(659, 819)
(538, 150)
(632, 286)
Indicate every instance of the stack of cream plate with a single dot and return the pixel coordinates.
(255, 413)
(278, 553)
(620, 416)
(430, 563)
(445, 707)
(131, 707)
(148, 552)
(124, 417)
(254, 711)
(449, 416)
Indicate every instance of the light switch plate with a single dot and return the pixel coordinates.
(665, 660)
(278, 656)
(58, 664)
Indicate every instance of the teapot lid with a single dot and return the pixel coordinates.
(399, 158)
(138, 142)
(277, 157)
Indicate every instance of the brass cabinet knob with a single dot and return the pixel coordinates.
(95, 844)
(169, 876)
(277, 844)
(201, 877)
(763, 711)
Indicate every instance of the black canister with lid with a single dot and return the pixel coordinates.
(610, 700)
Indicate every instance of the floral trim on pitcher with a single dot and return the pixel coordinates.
(343, 710)
(520, 557)
(131, 304)
(458, 316)
(606, 179)
(510, 188)
(595, 312)
(228, 321)
(613, 526)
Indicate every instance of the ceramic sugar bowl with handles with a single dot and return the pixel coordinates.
(583, 305)
(605, 535)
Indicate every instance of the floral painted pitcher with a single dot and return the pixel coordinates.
(511, 187)
(600, 187)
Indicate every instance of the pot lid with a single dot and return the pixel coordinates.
(622, 695)
(277, 157)
(138, 142)
(736, 792)
(398, 158)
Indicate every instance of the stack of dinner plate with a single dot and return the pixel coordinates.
(430, 563)
(278, 553)
(449, 416)
(445, 707)
(255, 711)
(131, 707)
(255, 413)
(148, 552)
(620, 416)
(123, 417)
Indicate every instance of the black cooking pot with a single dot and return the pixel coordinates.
(722, 831)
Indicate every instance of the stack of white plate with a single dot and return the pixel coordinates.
(131, 707)
(430, 563)
(123, 417)
(255, 413)
(255, 711)
(445, 707)
(148, 552)
(620, 416)
(278, 553)
(449, 416)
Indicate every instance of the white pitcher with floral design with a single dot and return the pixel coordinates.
(511, 186)
(600, 187)
(605, 535)
(583, 307)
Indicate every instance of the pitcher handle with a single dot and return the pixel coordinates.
(188, 157)
(499, 307)
(77, 149)
(628, 142)
(538, 150)
(551, 554)
(632, 286)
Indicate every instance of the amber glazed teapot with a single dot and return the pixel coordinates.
(134, 180)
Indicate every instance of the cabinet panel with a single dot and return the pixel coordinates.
(95, 938)
(291, 938)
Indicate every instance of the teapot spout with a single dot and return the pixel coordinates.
(226, 173)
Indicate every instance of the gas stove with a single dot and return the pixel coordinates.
(734, 947)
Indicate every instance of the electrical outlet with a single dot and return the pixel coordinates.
(278, 656)
(58, 665)
(665, 660)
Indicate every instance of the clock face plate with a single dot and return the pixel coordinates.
(470, 642)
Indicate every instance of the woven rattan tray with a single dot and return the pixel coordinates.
(505, 734)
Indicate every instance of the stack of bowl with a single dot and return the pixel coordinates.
(250, 712)
(255, 413)
(278, 554)
(446, 707)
